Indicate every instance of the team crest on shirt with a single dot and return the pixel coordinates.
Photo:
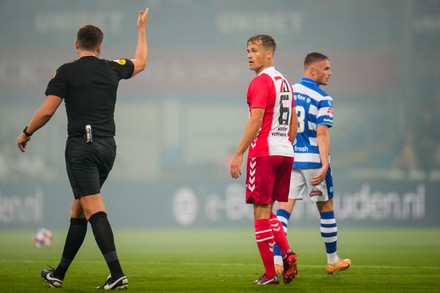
(120, 61)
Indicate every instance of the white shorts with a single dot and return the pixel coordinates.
(300, 186)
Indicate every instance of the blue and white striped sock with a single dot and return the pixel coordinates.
(329, 234)
(284, 217)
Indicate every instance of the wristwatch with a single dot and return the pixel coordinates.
(26, 133)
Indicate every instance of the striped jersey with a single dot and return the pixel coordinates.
(271, 91)
(314, 107)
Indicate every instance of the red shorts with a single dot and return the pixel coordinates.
(268, 179)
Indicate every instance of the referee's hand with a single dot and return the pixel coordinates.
(143, 19)
(22, 140)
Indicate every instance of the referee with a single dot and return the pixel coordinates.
(88, 87)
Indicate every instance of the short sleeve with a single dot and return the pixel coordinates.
(325, 112)
(259, 91)
(124, 67)
(58, 85)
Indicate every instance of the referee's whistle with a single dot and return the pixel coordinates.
(89, 135)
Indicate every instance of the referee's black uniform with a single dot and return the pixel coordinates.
(88, 87)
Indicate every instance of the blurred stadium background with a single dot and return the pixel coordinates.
(178, 123)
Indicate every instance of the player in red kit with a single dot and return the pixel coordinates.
(269, 134)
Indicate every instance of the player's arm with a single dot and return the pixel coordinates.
(41, 117)
(323, 137)
(252, 127)
(141, 54)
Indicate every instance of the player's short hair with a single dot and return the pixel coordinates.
(267, 41)
(89, 37)
(314, 57)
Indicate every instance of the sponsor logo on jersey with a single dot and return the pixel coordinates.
(120, 61)
(279, 134)
(303, 149)
(299, 97)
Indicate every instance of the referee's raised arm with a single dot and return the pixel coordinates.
(141, 54)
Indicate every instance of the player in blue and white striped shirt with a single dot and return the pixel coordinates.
(311, 173)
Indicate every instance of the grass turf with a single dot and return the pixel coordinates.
(384, 260)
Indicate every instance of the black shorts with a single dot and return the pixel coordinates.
(88, 165)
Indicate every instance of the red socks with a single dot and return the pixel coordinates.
(267, 232)
(278, 233)
(265, 243)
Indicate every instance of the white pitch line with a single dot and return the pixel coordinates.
(236, 264)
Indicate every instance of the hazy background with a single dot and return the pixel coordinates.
(179, 122)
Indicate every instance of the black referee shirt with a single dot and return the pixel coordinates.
(88, 86)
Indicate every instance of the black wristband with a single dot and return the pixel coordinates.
(26, 133)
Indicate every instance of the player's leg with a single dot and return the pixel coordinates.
(259, 184)
(284, 212)
(329, 234)
(329, 229)
(287, 267)
(281, 194)
(265, 240)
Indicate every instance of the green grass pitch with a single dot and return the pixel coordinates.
(384, 260)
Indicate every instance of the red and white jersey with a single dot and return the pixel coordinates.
(272, 92)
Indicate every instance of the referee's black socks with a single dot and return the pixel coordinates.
(106, 243)
(74, 239)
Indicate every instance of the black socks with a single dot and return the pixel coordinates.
(104, 238)
(74, 239)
